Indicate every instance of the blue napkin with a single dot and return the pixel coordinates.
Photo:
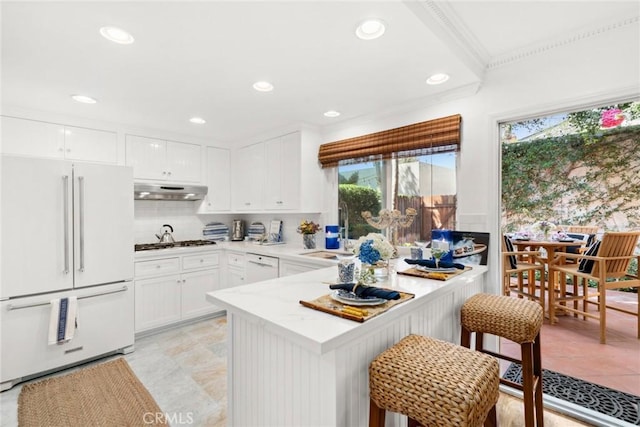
(364, 291)
(432, 264)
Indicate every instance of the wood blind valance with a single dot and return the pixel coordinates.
(422, 138)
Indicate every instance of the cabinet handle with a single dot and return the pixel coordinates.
(158, 266)
(65, 198)
(169, 173)
(81, 220)
(247, 203)
(164, 172)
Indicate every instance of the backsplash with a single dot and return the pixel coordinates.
(150, 215)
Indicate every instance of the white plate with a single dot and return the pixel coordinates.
(436, 270)
(351, 299)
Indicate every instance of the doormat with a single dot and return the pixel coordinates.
(614, 403)
(108, 394)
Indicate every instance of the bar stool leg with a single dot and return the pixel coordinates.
(527, 383)
(537, 371)
(376, 415)
(492, 418)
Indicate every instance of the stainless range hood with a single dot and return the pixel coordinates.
(145, 191)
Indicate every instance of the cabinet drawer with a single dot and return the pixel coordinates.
(157, 267)
(235, 260)
(198, 261)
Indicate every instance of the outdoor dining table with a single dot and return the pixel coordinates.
(552, 247)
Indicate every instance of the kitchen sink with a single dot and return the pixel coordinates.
(327, 254)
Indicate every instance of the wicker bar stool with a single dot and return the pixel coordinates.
(517, 320)
(434, 383)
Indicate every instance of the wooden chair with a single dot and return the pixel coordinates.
(519, 263)
(608, 260)
(586, 229)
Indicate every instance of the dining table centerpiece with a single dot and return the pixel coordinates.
(308, 229)
(544, 228)
(374, 251)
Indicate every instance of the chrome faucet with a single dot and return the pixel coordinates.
(342, 206)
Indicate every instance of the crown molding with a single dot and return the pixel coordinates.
(440, 18)
(559, 42)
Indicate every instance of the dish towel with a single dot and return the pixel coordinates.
(364, 291)
(63, 320)
(432, 264)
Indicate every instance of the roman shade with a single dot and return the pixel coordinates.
(432, 136)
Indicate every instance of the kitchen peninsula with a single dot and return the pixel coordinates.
(289, 365)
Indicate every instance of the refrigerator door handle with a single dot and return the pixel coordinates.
(81, 220)
(65, 197)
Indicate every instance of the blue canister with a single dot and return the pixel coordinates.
(332, 237)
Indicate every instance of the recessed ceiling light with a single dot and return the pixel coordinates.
(370, 29)
(331, 113)
(84, 99)
(437, 79)
(197, 120)
(263, 86)
(116, 35)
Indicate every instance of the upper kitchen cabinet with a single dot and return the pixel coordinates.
(278, 174)
(249, 173)
(282, 181)
(161, 160)
(218, 180)
(40, 139)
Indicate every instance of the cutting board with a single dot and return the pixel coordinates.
(431, 275)
(328, 305)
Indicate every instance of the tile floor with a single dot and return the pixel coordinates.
(572, 347)
(185, 371)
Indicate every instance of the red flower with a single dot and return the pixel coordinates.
(611, 118)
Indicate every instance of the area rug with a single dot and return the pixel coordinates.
(614, 403)
(108, 394)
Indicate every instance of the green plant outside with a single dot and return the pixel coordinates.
(576, 173)
(359, 199)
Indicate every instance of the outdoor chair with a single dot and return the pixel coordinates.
(608, 259)
(521, 263)
(586, 229)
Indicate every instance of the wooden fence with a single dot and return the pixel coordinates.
(436, 212)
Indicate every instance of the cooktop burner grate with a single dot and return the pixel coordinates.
(182, 244)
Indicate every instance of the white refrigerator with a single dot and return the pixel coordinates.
(66, 230)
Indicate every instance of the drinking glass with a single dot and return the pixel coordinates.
(437, 254)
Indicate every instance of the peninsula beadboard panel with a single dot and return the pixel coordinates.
(278, 375)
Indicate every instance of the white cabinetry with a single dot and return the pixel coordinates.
(41, 139)
(282, 180)
(218, 180)
(235, 269)
(249, 171)
(160, 160)
(278, 174)
(171, 289)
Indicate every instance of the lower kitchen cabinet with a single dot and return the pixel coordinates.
(168, 298)
(157, 302)
(235, 269)
(194, 287)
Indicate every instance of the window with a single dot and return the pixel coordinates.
(426, 183)
(412, 166)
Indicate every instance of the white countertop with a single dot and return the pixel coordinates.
(275, 305)
(287, 251)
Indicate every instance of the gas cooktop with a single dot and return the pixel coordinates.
(182, 244)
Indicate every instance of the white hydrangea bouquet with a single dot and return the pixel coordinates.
(373, 247)
(543, 227)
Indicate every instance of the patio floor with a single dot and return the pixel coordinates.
(572, 347)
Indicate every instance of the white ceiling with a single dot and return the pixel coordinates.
(200, 58)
